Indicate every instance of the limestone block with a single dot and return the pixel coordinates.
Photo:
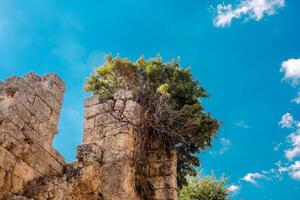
(39, 164)
(163, 194)
(106, 119)
(17, 184)
(132, 112)
(48, 159)
(17, 197)
(7, 159)
(22, 98)
(25, 172)
(117, 181)
(81, 181)
(93, 135)
(8, 127)
(42, 110)
(99, 109)
(164, 182)
(57, 156)
(89, 152)
(53, 79)
(2, 177)
(89, 123)
(124, 95)
(119, 106)
(39, 90)
(31, 77)
(93, 100)
(162, 169)
(13, 145)
(29, 113)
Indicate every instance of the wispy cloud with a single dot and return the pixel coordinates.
(294, 151)
(242, 124)
(293, 170)
(297, 99)
(224, 146)
(287, 121)
(277, 146)
(233, 188)
(246, 9)
(226, 143)
(252, 177)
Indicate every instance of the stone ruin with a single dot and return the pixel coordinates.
(30, 168)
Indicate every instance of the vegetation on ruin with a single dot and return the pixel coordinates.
(171, 99)
(205, 188)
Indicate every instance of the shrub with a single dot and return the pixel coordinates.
(205, 188)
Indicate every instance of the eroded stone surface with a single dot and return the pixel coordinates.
(31, 169)
(29, 114)
(112, 128)
(80, 181)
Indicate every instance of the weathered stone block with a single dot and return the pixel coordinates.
(89, 152)
(89, 123)
(94, 100)
(165, 194)
(17, 184)
(25, 172)
(119, 106)
(124, 95)
(106, 166)
(99, 109)
(7, 159)
(105, 119)
(29, 112)
(164, 182)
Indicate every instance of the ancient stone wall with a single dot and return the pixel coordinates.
(29, 113)
(110, 125)
(106, 167)
(162, 173)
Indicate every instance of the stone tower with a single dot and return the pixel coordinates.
(105, 169)
(29, 112)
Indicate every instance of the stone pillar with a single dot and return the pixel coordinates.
(29, 112)
(109, 124)
(162, 173)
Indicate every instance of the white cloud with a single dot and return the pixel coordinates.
(291, 70)
(251, 177)
(297, 98)
(249, 9)
(226, 143)
(293, 152)
(242, 124)
(286, 121)
(224, 146)
(233, 188)
(294, 170)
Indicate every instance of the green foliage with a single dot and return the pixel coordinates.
(164, 90)
(205, 188)
(171, 98)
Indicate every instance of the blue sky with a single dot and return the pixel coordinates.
(244, 52)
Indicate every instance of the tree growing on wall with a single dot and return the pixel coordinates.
(171, 99)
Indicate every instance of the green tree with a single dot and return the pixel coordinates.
(170, 97)
(205, 188)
